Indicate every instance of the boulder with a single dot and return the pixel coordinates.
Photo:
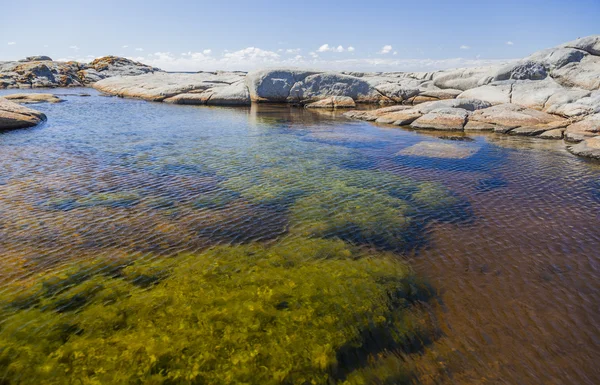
(333, 102)
(557, 133)
(442, 119)
(274, 85)
(32, 98)
(14, 116)
(323, 85)
(522, 70)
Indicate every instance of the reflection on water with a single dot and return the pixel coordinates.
(173, 244)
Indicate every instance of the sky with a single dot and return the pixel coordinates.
(362, 35)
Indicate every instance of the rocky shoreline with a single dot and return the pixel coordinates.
(552, 94)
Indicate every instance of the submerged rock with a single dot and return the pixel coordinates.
(33, 98)
(439, 150)
(14, 116)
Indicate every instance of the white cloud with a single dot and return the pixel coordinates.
(509, 43)
(293, 50)
(125, 46)
(395, 52)
(207, 51)
(74, 47)
(350, 49)
(464, 47)
(139, 49)
(11, 43)
(386, 49)
(327, 48)
(252, 58)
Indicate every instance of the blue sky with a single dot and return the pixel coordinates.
(353, 35)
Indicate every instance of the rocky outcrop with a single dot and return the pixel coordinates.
(43, 72)
(216, 88)
(32, 98)
(14, 116)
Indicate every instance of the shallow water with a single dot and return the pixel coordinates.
(514, 260)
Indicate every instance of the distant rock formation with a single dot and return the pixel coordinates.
(43, 72)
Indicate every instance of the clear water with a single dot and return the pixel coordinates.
(509, 238)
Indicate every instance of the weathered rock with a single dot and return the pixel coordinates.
(506, 117)
(556, 133)
(159, 86)
(439, 150)
(442, 119)
(578, 107)
(33, 98)
(589, 148)
(589, 44)
(396, 92)
(14, 116)
(372, 115)
(583, 129)
(36, 58)
(274, 85)
(557, 57)
(440, 94)
(522, 70)
(463, 103)
(464, 78)
(491, 93)
(584, 74)
(333, 102)
(37, 72)
(400, 118)
(323, 85)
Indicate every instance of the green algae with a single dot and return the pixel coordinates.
(300, 311)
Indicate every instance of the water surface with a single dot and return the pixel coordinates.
(505, 229)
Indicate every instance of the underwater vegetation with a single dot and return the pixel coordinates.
(302, 311)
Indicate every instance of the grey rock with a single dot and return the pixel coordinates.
(589, 44)
(584, 74)
(524, 70)
(491, 93)
(589, 148)
(274, 85)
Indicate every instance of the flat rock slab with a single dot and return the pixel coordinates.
(446, 119)
(333, 102)
(439, 150)
(506, 117)
(160, 86)
(33, 98)
(14, 116)
(589, 148)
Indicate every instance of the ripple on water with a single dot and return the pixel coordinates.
(507, 233)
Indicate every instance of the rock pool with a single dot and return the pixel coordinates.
(156, 243)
